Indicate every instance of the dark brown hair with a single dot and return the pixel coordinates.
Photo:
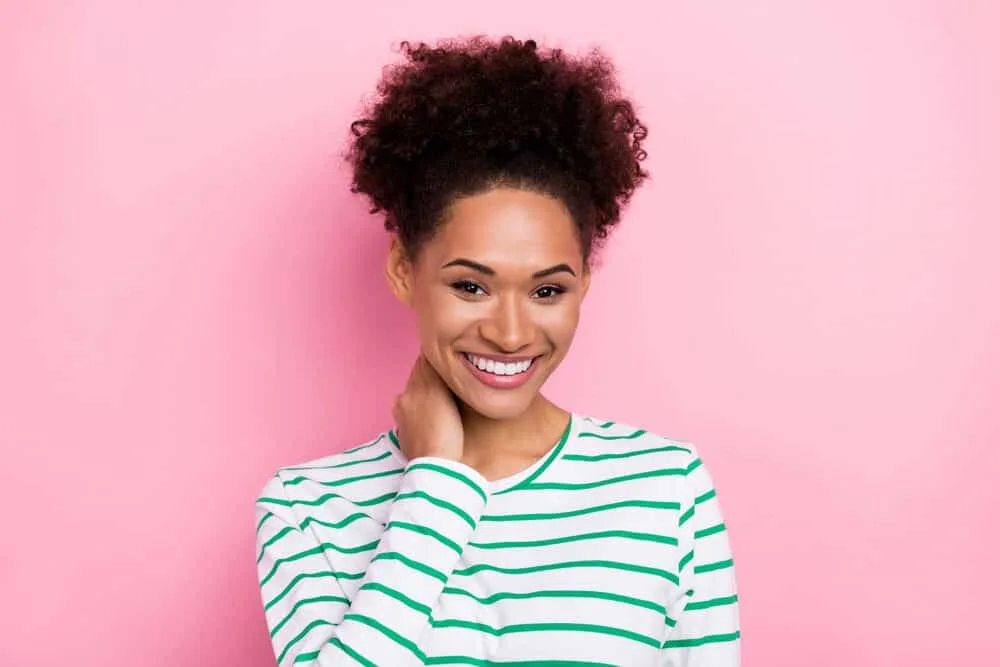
(463, 116)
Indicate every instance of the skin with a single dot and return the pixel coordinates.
(503, 276)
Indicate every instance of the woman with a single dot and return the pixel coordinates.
(490, 526)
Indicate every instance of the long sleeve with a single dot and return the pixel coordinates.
(703, 625)
(367, 598)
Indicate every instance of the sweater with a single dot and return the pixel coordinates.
(609, 550)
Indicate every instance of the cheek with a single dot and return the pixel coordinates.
(560, 323)
(440, 316)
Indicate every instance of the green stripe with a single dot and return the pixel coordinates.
(477, 662)
(312, 655)
(575, 486)
(317, 550)
(365, 662)
(346, 521)
(650, 504)
(275, 501)
(596, 595)
(347, 464)
(686, 516)
(705, 497)
(393, 593)
(377, 500)
(600, 436)
(546, 627)
(708, 604)
(424, 530)
(388, 632)
(394, 440)
(328, 496)
(623, 455)
(310, 575)
(712, 567)
(627, 534)
(361, 548)
(444, 504)
(669, 621)
(706, 532)
(297, 638)
(412, 564)
(607, 564)
(552, 456)
(347, 480)
(701, 641)
(685, 560)
(450, 473)
(606, 425)
(364, 446)
(267, 515)
(694, 466)
(277, 536)
(301, 603)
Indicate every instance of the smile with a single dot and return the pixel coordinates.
(498, 373)
(499, 367)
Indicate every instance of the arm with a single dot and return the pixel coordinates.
(703, 624)
(313, 621)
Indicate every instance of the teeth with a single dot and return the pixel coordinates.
(499, 367)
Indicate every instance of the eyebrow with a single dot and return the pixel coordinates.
(486, 270)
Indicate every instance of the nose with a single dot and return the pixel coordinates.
(508, 326)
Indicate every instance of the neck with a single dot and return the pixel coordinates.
(529, 435)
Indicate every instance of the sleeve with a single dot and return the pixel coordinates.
(312, 621)
(703, 624)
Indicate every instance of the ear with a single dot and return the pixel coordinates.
(585, 281)
(399, 272)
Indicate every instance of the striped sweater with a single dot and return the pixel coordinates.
(610, 550)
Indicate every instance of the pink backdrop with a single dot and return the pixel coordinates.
(808, 290)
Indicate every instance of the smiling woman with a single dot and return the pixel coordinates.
(497, 287)
(490, 526)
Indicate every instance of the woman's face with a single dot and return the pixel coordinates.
(497, 293)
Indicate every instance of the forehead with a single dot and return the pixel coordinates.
(508, 227)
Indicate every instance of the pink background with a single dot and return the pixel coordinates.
(808, 289)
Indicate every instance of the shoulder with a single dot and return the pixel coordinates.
(609, 440)
(624, 451)
(372, 456)
(350, 475)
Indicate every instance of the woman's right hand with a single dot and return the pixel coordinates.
(427, 419)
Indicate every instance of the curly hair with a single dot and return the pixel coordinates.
(464, 116)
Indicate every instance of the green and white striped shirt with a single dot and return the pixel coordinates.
(610, 550)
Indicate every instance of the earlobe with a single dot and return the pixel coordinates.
(399, 272)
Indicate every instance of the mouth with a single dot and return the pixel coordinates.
(501, 372)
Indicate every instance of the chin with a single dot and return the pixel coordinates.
(498, 407)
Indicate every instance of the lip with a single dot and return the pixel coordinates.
(501, 381)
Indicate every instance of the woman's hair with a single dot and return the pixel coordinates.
(461, 117)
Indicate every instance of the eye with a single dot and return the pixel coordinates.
(467, 287)
(547, 292)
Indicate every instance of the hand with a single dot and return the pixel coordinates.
(427, 418)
